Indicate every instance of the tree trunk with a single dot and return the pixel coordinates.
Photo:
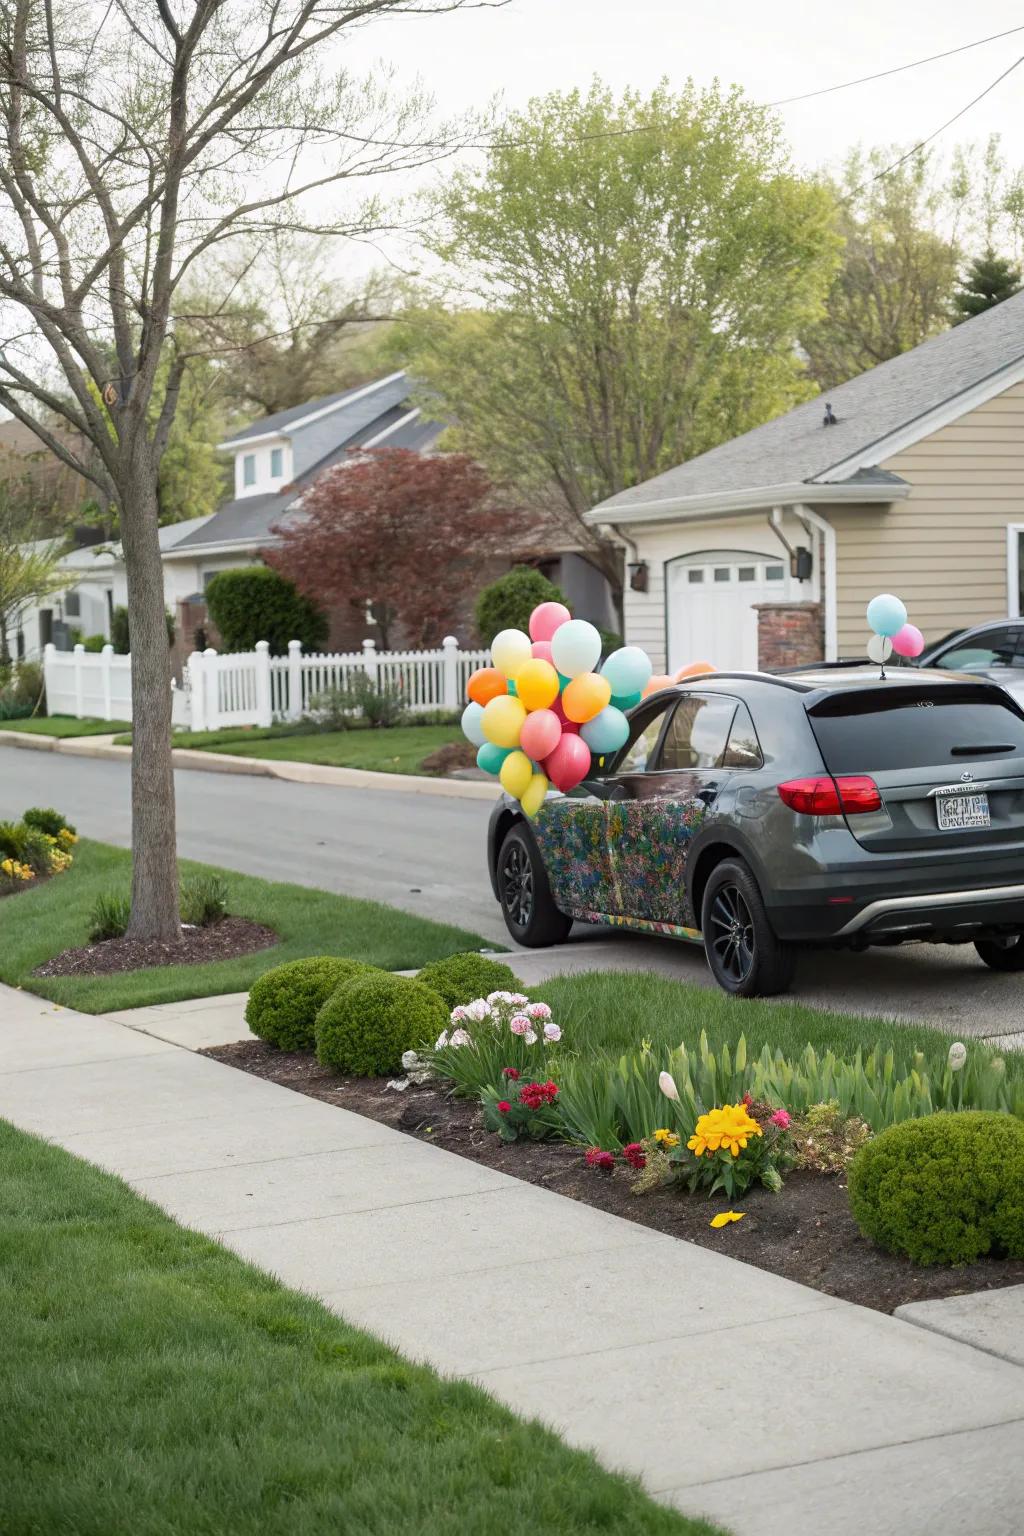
(155, 907)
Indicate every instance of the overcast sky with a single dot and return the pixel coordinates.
(772, 48)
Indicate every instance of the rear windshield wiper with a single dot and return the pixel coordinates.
(984, 751)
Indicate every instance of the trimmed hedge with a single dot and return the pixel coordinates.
(366, 1025)
(462, 978)
(944, 1189)
(508, 602)
(256, 603)
(284, 1002)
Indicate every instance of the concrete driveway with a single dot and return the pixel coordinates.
(426, 854)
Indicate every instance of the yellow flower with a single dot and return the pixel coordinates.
(666, 1138)
(724, 1217)
(727, 1129)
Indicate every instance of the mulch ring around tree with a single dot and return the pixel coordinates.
(806, 1233)
(225, 940)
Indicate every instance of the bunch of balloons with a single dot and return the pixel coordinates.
(542, 709)
(887, 617)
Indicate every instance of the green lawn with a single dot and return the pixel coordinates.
(153, 1383)
(64, 725)
(400, 749)
(37, 924)
(614, 1011)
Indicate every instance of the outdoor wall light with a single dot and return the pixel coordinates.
(638, 575)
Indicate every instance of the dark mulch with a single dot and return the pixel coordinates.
(456, 754)
(805, 1233)
(197, 946)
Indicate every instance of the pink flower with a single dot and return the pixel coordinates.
(634, 1155)
(539, 1011)
(458, 1014)
(519, 1024)
(596, 1158)
(460, 1037)
(781, 1118)
(503, 1106)
(552, 1032)
(518, 999)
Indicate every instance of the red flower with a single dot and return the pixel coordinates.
(512, 1073)
(634, 1155)
(503, 1106)
(747, 1100)
(596, 1158)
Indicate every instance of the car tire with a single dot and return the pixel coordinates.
(527, 906)
(1002, 957)
(743, 952)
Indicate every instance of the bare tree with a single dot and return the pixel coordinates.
(137, 137)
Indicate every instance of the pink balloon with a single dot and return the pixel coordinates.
(541, 733)
(908, 641)
(568, 763)
(542, 650)
(545, 619)
(567, 724)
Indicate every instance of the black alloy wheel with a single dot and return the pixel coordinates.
(744, 953)
(527, 905)
(730, 933)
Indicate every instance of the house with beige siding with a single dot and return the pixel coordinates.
(908, 479)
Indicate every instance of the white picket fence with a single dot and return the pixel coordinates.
(255, 688)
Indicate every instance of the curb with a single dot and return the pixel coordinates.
(264, 768)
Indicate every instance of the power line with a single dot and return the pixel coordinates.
(949, 122)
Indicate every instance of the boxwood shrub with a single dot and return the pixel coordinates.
(944, 1189)
(284, 1002)
(366, 1025)
(461, 978)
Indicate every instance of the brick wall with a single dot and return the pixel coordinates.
(789, 634)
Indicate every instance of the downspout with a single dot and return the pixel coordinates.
(830, 591)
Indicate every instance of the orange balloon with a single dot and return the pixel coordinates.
(695, 669)
(656, 684)
(485, 684)
(585, 697)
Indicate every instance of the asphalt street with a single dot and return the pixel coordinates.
(426, 854)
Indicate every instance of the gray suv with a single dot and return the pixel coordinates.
(758, 814)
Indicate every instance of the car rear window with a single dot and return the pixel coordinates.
(875, 732)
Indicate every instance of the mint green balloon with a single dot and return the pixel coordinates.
(490, 757)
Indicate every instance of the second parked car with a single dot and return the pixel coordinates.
(758, 815)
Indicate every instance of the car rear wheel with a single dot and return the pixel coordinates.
(745, 956)
(530, 914)
(1002, 954)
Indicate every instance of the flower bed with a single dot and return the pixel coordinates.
(34, 849)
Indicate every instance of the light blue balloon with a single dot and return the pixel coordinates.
(607, 732)
(473, 724)
(626, 700)
(628, 669)
(886, 614)
(490, 757)
(511, 685)
(575, 648)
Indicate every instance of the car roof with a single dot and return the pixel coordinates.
(829, 678)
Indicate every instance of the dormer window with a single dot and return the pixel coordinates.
(276, 463)
(249, 469)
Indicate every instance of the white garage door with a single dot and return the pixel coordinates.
(710, 600)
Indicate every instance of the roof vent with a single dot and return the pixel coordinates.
(830, 417)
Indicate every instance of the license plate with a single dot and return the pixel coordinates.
(958, 813)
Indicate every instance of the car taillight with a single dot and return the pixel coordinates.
(851, 794)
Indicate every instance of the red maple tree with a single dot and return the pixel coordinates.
(404, 533)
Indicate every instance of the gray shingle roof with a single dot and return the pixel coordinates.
(280, 420)
(796, 447)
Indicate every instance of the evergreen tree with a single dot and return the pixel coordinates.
(989, 280)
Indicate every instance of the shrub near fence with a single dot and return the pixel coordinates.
(255, 688)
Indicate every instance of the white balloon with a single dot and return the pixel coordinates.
(879, 649)
(575, 648)
(472, 724)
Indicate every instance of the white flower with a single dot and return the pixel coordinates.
(520, 1025)
(458, 1014)
(499, 997)
(461, 1037)
(552, 1032)
(538, 1011)
(957, 1056)
(667, 1084)
(519, 998)
(477, 1011)
(441, 1041)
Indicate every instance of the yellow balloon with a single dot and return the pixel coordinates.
(532, 797)
(516, 773)
(537, 683)
(502, 720)
(585, 697)
(510, 650)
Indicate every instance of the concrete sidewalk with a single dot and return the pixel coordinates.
(732, 1392)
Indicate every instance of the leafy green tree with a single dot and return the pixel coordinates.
(191, 479)
(28, 564)
(259, 604)
(508, 602)
(989, 280)
(639, 269)
(895, 283)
